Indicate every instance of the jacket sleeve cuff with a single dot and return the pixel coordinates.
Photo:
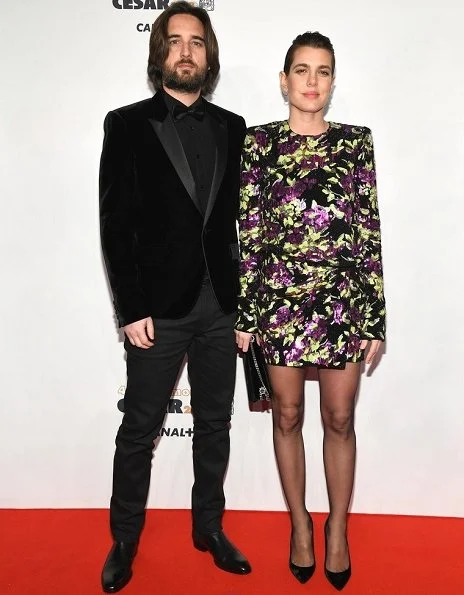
(130, 310)
(246, 322)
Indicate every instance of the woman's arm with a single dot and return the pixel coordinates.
(250, 228)
(366, 218)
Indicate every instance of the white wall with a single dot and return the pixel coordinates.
(64, 65)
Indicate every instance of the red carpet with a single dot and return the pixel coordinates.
(60, 552)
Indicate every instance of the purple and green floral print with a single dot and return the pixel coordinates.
(311, 269)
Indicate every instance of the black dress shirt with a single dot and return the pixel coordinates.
(199, 144)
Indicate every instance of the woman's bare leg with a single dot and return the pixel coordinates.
(287, 414)
(338, 391)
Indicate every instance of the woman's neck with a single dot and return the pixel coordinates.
(307, 123)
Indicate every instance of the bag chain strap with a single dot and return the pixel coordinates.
(263, 392)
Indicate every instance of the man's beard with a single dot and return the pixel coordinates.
(190, 83)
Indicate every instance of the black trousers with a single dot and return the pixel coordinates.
(206, 335)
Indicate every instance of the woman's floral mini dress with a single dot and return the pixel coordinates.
(311, 269)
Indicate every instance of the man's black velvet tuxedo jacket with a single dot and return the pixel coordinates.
(155, 239)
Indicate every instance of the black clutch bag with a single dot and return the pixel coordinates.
(256, 376)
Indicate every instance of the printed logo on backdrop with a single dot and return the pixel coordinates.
(154, 5)
(178, 403)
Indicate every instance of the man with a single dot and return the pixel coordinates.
(169, 188)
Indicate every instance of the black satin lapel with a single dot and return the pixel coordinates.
(170, 140)
(220, 130)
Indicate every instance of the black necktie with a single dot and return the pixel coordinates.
(181, 111)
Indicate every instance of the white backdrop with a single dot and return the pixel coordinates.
(64, 65)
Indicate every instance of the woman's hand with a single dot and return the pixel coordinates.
(243, 340)
(373, 349)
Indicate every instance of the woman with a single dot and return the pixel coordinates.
(311, 284)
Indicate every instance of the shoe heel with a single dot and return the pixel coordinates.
(199, 546)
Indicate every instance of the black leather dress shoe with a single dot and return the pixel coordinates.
(226, 556)
(117, 571)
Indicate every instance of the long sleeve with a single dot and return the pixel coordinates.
(367, 221)
(250, 235)
(117, 189)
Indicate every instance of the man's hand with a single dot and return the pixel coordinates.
(243, 340)
(141, 333)
(373, 349)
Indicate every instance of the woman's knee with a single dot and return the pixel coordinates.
(288, 419)
(340, 422)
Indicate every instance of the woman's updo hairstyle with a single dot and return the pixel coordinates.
(312, 39)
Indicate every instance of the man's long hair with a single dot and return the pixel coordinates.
(159, 47)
